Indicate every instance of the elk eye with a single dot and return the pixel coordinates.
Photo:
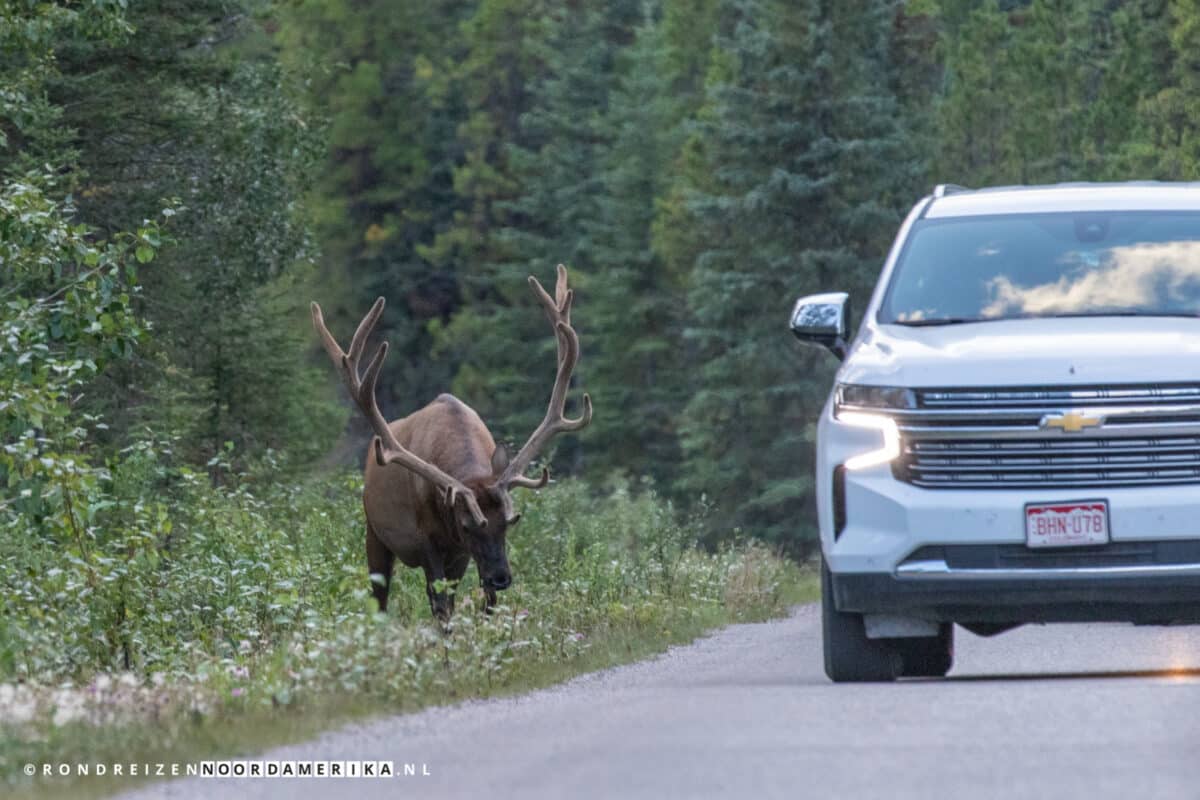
(513, 520)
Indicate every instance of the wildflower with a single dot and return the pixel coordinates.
(68, 706)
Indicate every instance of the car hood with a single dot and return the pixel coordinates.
(1028, 352)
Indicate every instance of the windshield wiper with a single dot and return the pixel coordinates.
(1120, 314)
(929, 323)
(937, 321)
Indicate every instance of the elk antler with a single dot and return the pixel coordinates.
(558, 311)
(362, 389)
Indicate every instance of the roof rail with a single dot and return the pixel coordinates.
(943, 189)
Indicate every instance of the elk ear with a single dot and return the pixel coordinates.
(499, 459)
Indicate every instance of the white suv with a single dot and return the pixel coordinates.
(1014, 435)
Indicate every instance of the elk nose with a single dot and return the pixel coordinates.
(501, 580)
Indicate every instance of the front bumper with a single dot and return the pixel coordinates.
(1145, 595)
(959, 554)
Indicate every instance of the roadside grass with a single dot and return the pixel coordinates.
(256, 628)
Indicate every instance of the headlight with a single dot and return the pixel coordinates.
(886, 426)
(849, 394)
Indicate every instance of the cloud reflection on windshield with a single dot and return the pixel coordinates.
(1151, 277)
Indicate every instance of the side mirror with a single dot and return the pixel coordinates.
(823, 319)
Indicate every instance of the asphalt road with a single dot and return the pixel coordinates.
(1088, 711)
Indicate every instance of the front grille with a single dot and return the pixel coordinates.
(1059, 396)
(991, 438)
(1037, 463)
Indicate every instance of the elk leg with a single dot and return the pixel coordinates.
(454, 572)
(379, 562)
(440, 603)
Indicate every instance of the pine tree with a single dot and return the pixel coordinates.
(503, 45)
(1167, 143)
(686, 38)
(505, 48)
(506, 351)
(384, 74)
(634, 303)
(1059, 57)
(193, 106)
(1045, 92)
(690, 61)
(975, 113)
(805, 163)
(1132, 50)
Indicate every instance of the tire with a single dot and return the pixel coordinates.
(928, 656)
(849, 655)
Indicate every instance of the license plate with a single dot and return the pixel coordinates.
(1072, 524)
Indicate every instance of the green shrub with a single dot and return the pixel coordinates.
(256, 593)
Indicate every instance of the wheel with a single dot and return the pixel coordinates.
(927, 656)
(849, 654)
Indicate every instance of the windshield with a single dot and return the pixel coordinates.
(971, 269)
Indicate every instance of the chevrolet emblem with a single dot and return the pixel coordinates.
(1070, 422)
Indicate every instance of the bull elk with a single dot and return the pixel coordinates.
(436, 488)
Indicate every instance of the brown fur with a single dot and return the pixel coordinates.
(407, 516)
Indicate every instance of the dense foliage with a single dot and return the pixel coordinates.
(266, 568)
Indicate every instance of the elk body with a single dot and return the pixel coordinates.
(436, 488)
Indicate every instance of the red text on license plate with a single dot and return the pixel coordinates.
(1071, 524)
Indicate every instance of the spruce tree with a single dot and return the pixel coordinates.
(634, 303)
(1058, 59)
(505, 347)
(1046, 91)
(384, 74)
(975, 144)
(193, 107)
(1131, 47)
(1167, 144)
(806, 164)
